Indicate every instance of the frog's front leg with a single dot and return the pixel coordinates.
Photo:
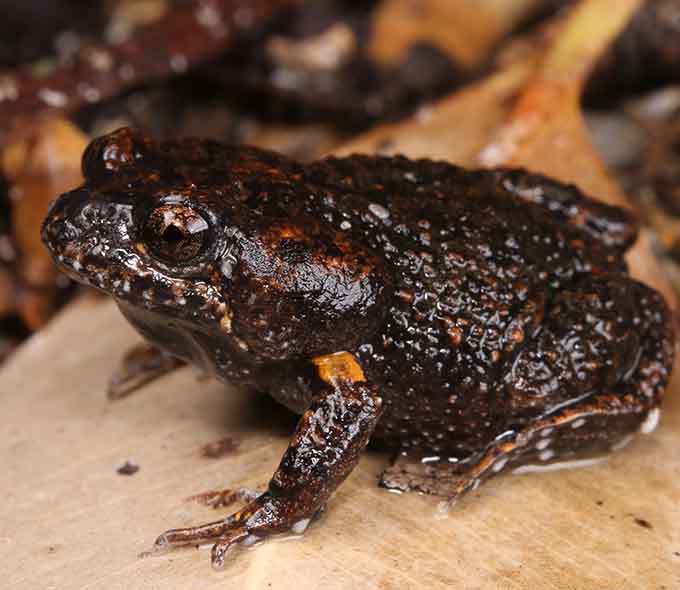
(140, 365)
(323, 451)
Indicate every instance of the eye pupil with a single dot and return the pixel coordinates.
(173, 234)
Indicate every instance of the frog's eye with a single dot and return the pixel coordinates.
(175, 233)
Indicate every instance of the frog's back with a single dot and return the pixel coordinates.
(473, 267)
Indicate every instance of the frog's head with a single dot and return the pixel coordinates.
(146, 232)
(197, 238)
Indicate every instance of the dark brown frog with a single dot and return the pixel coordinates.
(480, 319)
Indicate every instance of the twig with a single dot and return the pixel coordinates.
(187, 35)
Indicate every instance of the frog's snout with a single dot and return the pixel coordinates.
(59, 232)
(79, 229)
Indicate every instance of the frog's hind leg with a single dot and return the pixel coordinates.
(577, 342)
(572, 437)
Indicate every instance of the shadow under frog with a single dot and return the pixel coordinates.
(482, 319)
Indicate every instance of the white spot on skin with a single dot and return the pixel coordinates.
(558, 466)
(99, 60)
(76, 266)
(126, 286)
(578, 423)
(379, 211)
(624, 442)
(52, 98)
(345, 225)
(651, 421)
(207, 16)
(547, 432)
(546, 455)
(498, 465)
(300, 526)
(227, 267)
(179, 63)
(543, 444)
(225, 322)
(89, 93)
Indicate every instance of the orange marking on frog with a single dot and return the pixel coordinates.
(340, 365)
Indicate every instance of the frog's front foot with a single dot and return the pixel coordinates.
(325, 448)
(264, 516)
(140, 365)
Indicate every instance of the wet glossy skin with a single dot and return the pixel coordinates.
(475, 311)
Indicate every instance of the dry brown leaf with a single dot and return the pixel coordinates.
(454, 129)
(465, 29)
(41, 168)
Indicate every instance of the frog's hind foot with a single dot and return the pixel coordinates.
(575, 436)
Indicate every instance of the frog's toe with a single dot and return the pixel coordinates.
(140, 365)
(227, 533)
(227, 542)
(197, 535)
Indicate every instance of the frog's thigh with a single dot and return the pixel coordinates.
(603, 333)
(323, 451)
(578, 431)
(140, 365)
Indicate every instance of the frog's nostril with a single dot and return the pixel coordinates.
(57, 232)
(52, 230)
